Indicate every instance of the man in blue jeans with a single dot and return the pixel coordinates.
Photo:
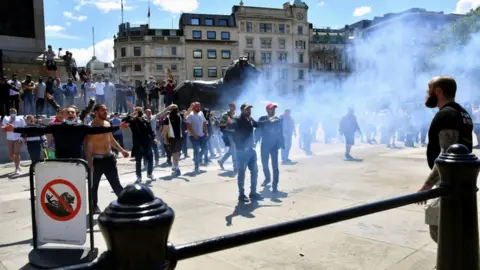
(197, 132)
(271, 137)
(228, 138)
(246, 155)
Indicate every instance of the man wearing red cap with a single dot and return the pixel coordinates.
(272, 134)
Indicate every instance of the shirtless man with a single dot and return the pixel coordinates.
(100, 156)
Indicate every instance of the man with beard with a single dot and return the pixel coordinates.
(172, 136)
(271, 137)
(451, 125)
(69, 136)
(142, 138)
(99, 149)
(198, 132)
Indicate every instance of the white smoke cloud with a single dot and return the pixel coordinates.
(103, 52)
(464, 6)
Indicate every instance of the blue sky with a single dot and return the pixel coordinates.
(69, 23)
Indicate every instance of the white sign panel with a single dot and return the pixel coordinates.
(61, 202)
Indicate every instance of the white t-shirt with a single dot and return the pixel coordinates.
(99, 88)
(19, 86)
(18, 122)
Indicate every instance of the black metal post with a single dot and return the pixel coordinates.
(136, 229)
(458, 227)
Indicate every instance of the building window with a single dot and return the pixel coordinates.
(114, 54)
(301, 74)
(123, 52)
(284, 73)
(174, 50)
(281, 28)
(265, 27)
(195, 21)
(197, 72)
(266, 58)
(249, 27)
(250, 56)
(211, 35)
(225, 35)
(224, 70)
(137, 68)
(223, 22)
(137, 51)
(266, 43)
(300, 44)
(173, 67)
(282, 57)
(281, 43)
(124, 68)
(159, 67)
(225, 54)
(158, 51)
(300, 58)
(197, 34)
(212, 54)
(209, 22)
(212, 72)
(249, 42)
(197, 54)
(300, 30)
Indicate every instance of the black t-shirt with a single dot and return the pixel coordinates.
(141, 92)
(176, 125)
(451, 116)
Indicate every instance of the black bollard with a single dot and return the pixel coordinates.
(458, 230)
(136, 229)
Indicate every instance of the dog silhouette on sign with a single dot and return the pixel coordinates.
(57, 208)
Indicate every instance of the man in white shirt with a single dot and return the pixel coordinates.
(109, 91)
(14, 140)
(100, 91)
(16, 85)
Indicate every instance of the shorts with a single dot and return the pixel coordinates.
(51, 65)
(14, 147)
(175, 144)
(349, 139)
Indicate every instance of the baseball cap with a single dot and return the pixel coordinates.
(271, 105)
(172, 106)
(245, 106)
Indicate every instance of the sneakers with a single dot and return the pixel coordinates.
(139, 180)
(17, 171)
(243, 198)
(176, 172)
(265, 183)
(220, 164)
(255, 196)
(96, 210)
(151, 177)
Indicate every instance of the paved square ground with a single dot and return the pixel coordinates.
(206, 206)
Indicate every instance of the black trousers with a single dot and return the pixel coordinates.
(15, 102)
(108, 166)
(4, 108)
(35, 150)
(145, 153)
(40, 106)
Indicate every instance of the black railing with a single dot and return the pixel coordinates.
(137, 225)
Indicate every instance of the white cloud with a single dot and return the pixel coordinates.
(57, 31)
(103, 52)
(321, 4)
(464, 6)
(177, 6)
(68, 23)
(360, 11)
(106, 6)
(70, 15)
(77, 8)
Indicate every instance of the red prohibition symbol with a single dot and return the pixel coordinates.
(60, 207)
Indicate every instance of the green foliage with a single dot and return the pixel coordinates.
(459, 32)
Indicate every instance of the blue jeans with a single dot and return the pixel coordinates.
(28, 104)
(155, 152)
(199, 148)
(267, 150)
(69, 100)
(100, 99)
(232, 151)
(247, 158)
(288, 146)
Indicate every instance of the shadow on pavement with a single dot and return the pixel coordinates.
(170, 178)
(195, 173)
(230, 174)
(23, 242)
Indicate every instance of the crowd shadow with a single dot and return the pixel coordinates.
(354, 159)
(194, 173)
(229, 174)
(22, 242)
(12, 175)
(170, 178)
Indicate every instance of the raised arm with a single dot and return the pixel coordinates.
(88, 109)
(52, 102)
(36, 130)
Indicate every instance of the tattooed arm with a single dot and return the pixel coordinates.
(447, 137)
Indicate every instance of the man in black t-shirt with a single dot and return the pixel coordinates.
(141, 93)
(452, 124)
(173, 137)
